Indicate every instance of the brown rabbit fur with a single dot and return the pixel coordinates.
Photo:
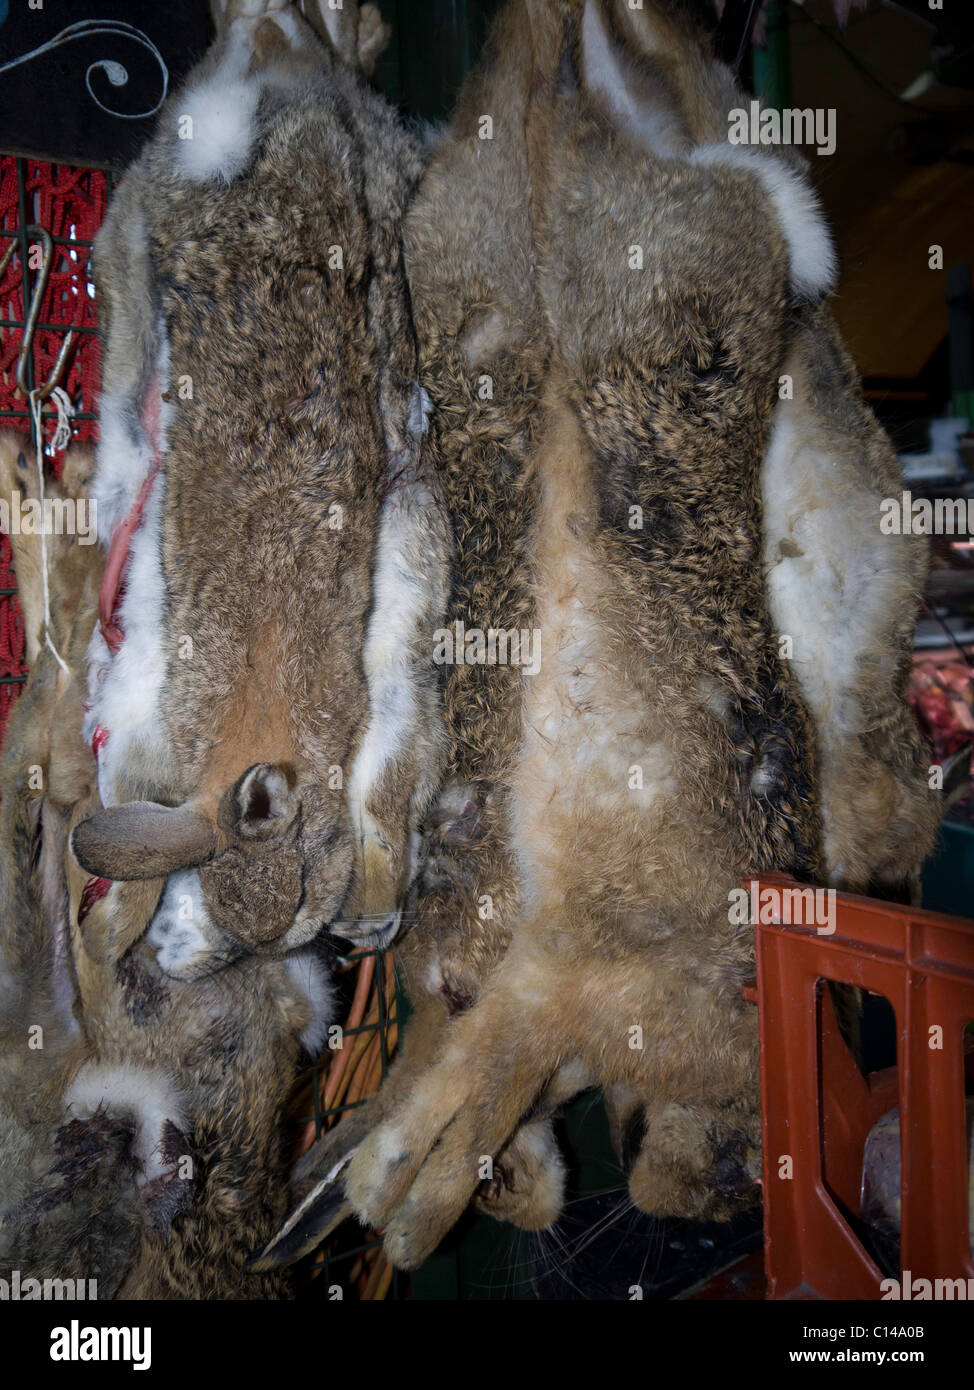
(44, 760)
(828, 467)
(140, 1144)
(660, 642)
(483, 352)
(269, 728)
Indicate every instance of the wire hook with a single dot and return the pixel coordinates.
(36, 394)
(40, 393)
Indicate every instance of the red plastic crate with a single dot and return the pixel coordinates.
(818, 1108)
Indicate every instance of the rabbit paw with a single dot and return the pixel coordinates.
(416, 1171)
(373, 37)
(695, 1163)
(415, 1193)
(527, 1187)
(250, 9)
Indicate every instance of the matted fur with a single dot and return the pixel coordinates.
(609, 954)
(258, 344)
(140, 1131)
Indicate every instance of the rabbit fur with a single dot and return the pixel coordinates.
(140, 1129)
(155, 1148)
(269, 729)
(572, 920)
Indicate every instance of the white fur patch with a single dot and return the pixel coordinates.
(763, 778)
(811, 252)
(181, 933)
(434, 978)
(123, 460)
(485, 338)
(606, 72)
(570, 1078)
(223, 131)
(311, 978)
(222, 109)
(397, 605)
(124, 690)
(405, 592)
(536, 1138)
(825, 597)
(391, 1148)
(834, 581)
(147, 1094)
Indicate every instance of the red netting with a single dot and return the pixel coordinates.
(70, 205)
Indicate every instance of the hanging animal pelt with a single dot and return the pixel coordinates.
(140, 1116)
(660, 469)
(265, 715)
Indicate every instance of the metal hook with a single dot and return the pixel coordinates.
(39, 393)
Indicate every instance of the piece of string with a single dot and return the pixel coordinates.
(65, 413)
(61, 433)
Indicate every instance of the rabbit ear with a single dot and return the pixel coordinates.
(633, 90)
(314, 1218)
(142, 840)
(262, 804)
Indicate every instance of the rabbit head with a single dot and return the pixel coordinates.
(200, 1071)
(141, 1147)
(265, 700)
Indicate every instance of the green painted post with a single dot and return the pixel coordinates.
(435, 43)
(771, 65)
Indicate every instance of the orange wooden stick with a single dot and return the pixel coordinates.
(385, 1281)
(362, 986)
(359, 1090)
(375, 1277)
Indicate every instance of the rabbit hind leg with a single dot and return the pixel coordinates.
(527, 1187)
(440, 1141)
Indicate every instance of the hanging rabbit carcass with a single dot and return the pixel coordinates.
(141, 1144)
(265, 718)
(262, 710)
(635, 485)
